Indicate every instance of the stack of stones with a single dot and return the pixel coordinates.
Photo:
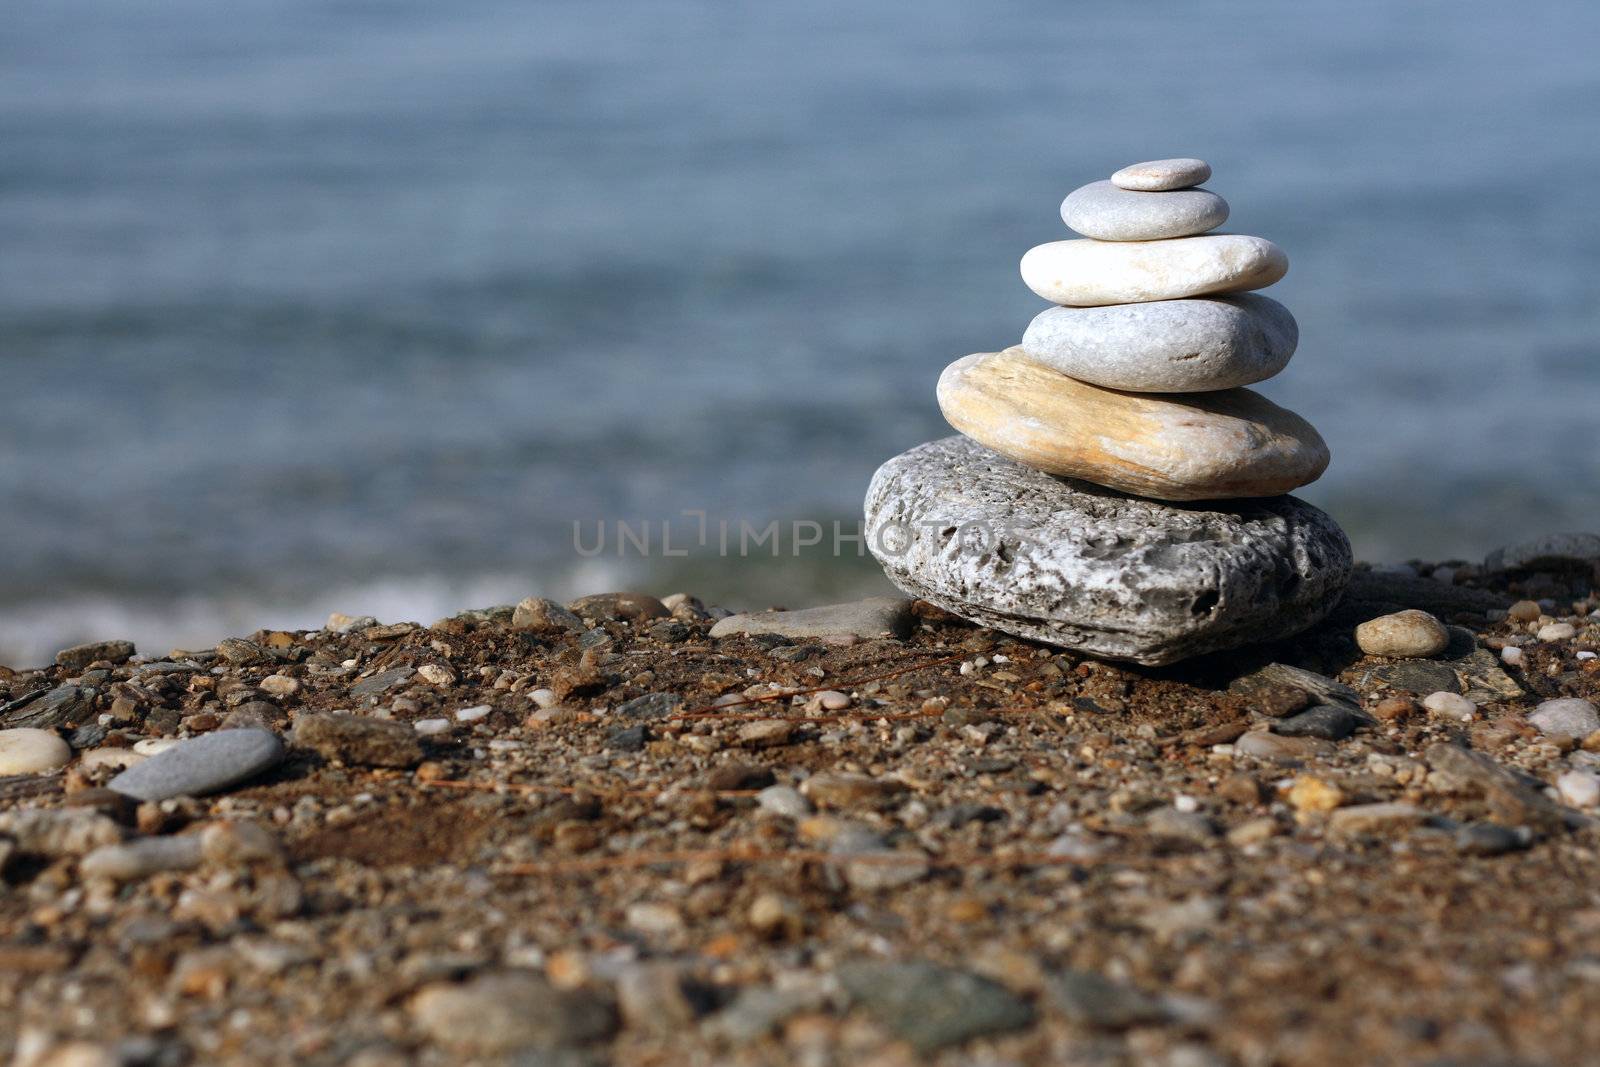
(1068, 511)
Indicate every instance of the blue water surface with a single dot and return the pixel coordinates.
(361, 305)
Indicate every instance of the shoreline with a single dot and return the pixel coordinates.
(598, 832)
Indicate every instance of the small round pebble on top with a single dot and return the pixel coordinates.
(1160, 175)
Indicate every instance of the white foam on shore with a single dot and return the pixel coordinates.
(32, 631)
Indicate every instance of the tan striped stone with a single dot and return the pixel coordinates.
(1197, 446)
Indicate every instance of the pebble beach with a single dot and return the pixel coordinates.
(638, 830)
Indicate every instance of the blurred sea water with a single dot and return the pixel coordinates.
(308, 306)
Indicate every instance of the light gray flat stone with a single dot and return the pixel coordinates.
(1107, 212)
(873, 617)
(1159, 175)
(1167, 346)
(201, 765)
(1095, 570)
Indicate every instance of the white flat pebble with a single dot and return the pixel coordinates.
(1088, 273)
(28, 751)
(1511, 656)
(1581, 789)
(429, 727)
(1557, 631)
(1450, 706)
(154, 746)
(833, 700)
(1160, 175)
(1587, 655)
(474, 714)
(545, 698)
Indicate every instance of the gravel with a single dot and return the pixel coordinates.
(1074, 860)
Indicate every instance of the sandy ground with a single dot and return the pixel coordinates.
(956, 848)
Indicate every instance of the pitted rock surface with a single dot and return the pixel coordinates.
(1095, 570)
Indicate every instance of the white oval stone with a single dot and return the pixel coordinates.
(1088, 273)
(29, 751)
(1159, 175)
(1107, 213)
(1167, 346)
(1450, 706)
(1202, 446)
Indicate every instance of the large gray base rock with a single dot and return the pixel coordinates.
(1095, 570)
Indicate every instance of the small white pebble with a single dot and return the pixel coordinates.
(1185, 803)
(152, 745)
(1450, 706)
(967, 667)
(1511, 655)
(474, 714)
(545, 698)
(659, 919)
(1587, 654)
(1581, 789)
(429, 727)
(833, 700)
(783, 800)
(436, 674)
(502, 744)
(280, 685)
(347, 664)
(1557, 631)
(1001, 658)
